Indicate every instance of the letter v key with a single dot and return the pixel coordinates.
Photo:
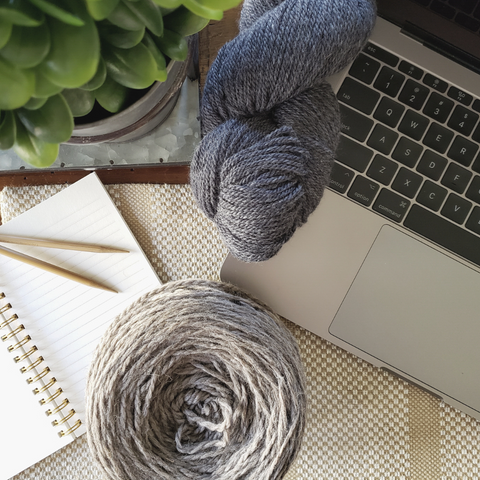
(456, 208)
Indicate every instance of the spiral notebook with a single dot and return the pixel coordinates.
(50, 325)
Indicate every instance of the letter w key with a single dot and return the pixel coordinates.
(413, 125)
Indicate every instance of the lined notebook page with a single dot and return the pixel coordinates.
(64, 318)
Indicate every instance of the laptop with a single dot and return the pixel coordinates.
(388, 266)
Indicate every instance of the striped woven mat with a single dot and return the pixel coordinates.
(362, 422)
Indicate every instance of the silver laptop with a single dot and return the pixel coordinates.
(388, 265)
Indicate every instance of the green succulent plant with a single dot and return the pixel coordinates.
(60, 58)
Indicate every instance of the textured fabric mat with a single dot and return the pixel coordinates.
(362, 422)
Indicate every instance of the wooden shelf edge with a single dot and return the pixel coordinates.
(169, 174)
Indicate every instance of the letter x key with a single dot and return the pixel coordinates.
(407, 182)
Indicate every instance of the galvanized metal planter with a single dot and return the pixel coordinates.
(145, 114)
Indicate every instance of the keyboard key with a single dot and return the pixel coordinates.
(473, 223)
(476, 134)
(444, 233)
(476, 165)
(463, 120)
(355, 124)
(382, 139)
(456, 208)
(414, 125)
(462, 151)
(414, 94)
(381, 54)
(364, 68)
(341, 178)
(407, 152)
(407, 182)
(358, 96)
(389, 81)
(432, 165)
(363, 190)
(391, 205)
(467, 22)
(410, 70)
(431, 195)
(465, 6)
(473, 192)
(382, 169)
(438, 138)
(389, 112)
(476, 105)
(353, 154)
(456, 178)
(443, 9)
(460, 96)
(435, 83)
(438, 107)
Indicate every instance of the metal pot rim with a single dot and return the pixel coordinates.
(154, 107)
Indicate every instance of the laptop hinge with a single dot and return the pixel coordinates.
(440, 46)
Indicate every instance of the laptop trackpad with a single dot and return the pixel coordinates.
(417, 310)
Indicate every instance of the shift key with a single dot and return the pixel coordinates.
(353, 154)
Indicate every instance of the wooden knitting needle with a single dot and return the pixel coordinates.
(35, 262)
(37, 242)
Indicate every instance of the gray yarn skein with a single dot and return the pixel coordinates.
(196, 380)
(271, 122)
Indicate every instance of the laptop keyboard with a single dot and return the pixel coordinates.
(409, 150)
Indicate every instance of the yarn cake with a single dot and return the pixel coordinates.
(196, 380)
(271, 121)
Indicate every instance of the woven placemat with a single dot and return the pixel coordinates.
(362, 422)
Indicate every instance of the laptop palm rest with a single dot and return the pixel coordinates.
(417, 310)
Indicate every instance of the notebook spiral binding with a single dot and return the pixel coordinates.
(37, 374)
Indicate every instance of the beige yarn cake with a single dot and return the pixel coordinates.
(196, 380)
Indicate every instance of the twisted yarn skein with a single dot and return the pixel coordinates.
(270, 120)
(196, 380)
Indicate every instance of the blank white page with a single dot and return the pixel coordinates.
(64, 318)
